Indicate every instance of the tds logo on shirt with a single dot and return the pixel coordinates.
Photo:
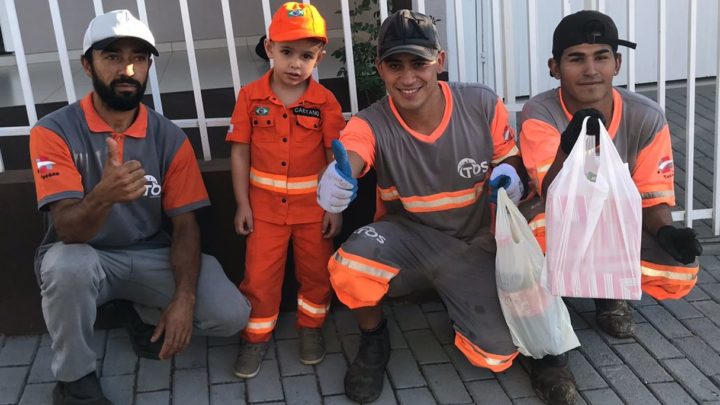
(45, 167)
(152, 188)
(468, 168)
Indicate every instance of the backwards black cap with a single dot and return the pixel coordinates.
(586, 27)
(406, 31)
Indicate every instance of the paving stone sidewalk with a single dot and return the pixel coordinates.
(673, 359)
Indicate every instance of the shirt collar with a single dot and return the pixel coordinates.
(313, 94)
(96, 124)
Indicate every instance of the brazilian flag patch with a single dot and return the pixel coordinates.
(298, 12)
(262, 111)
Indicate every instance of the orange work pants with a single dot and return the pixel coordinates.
(265, 259)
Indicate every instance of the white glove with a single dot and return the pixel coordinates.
(515, 187)
(335, 191)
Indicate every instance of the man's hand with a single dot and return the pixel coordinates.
(680, 243)
(572, 132)
(243, 220)
(120, 182)
(176, 323)
(337, 187)
(505, 176)
(332, 223)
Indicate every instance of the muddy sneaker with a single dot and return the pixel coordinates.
(312, 346)
(364, 378)
(614, 317)
(248, 361)
(85, 391)
(553, 381)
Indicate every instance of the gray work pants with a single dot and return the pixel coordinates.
(76, 278)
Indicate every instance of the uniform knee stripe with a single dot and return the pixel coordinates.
(357, 281)
(480, 358)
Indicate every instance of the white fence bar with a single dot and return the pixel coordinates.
(195, 79)
(497, 47)
(350, 59)
(459, 35)
(631, 38)
(532, 46)
(232, 53)
(154, 83)
(62, 50)
(267, 17)
(420, 6)
(565, 5)
(690, 118)
(716, 158)
(97, 4)
(383, 10)
(21, 62)
(662, 29)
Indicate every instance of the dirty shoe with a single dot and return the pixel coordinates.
(248, 361)
(614, 317)
(364, 378)
(553, 381)
(85, 391)
(312, 346)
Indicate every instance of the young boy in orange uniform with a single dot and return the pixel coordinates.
(281, 131)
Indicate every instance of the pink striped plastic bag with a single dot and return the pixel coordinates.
(593, 215)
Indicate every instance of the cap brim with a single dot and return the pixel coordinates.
(417, 50)
(102, 44)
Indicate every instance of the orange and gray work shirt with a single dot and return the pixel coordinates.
(69, 152)
(437, 180)
(638, 130)
(287, 148)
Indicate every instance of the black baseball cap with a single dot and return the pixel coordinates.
(586, 27)
(406, 31)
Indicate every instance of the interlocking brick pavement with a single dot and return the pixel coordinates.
(674, 358)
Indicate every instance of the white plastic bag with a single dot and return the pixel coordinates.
(593, 215)
(539, 322)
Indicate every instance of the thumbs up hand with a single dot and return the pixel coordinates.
(337, 187)
(120, 182)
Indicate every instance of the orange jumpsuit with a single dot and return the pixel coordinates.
(287, 152)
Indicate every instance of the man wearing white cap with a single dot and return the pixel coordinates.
(107, 170)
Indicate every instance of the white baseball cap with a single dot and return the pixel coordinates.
(109, 27)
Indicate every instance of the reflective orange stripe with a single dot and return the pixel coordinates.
(513, 151)
(667, 282)
(311, 309)
(357, 281)
(435, 202)
(283, 184)
(260, 326)
(480, 358)
(537, 226)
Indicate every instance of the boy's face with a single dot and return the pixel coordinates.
(586, 73)
(295, 60)
(409, 79)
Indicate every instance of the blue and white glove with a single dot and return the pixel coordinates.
(337, 187)
(505, 176)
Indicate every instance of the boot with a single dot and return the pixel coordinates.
(553, 381)
(364, 378)
(312, 346)
(614, 317)
(85, 391)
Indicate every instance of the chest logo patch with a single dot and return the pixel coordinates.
(45, 167)
(152, 187)
(262, 110)
(468, 168)
(307, 112)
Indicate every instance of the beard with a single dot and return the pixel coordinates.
(122, 101)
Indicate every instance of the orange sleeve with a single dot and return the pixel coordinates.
(503, 135)
(183, 187)
(654, 171)
(539, 142)
(333, 120)
(359, 138)
(240, 128)
(54, 170)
